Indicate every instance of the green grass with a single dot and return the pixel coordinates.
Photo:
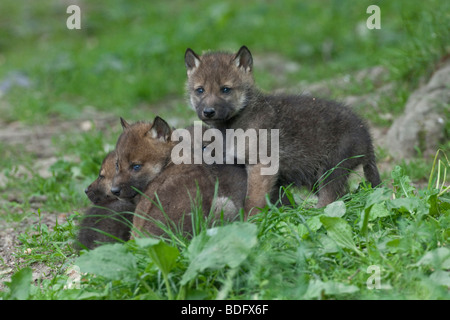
(126, 55)
(128, 60)
(283, 253)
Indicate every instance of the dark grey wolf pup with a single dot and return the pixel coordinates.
(320, 141)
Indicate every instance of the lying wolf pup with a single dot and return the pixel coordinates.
(143, 163)
(110, 215)
(320, 141)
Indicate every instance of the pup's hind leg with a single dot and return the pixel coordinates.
(371, 173)
(330, 193)
(332, 189)
(257, 187)
(333, 184)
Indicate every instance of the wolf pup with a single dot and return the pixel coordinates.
(320, 141)
(110, 215)
(143, 165)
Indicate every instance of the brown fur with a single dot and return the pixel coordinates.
(149, 146)
(99, 191)
(142, 152)
(316, 135)
(232, 181)
(110, 215)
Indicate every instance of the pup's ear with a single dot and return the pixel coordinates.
(124, 123)
(160, 130)
(243, 59)
(191, 60)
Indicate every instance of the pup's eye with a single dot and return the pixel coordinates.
(136, 167)
(200, 90)
(225, 89)
(101, 176)
(117, 166)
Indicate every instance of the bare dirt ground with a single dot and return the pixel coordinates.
(37, 141)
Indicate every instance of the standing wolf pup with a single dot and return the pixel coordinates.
(320, 141)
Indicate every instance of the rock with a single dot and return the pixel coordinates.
(375, 75)
(86, 125)
(371, 100)
(422, 124)
(278, 66)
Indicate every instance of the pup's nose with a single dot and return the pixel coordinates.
(86, 190)
(209, 112)
(115, 191)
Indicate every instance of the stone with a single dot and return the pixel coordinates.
(421, 127)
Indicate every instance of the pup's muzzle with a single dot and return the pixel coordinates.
(209, 112)
(115, 191)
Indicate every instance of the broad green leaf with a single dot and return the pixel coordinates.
(318, 288)
(340, 231)
(327, 244)
(441, 278)
(313, 224)
(377, 197)
(432, 201)
(402, 182)
(146, 242)
(111, 261)
(302, 231)
(197, 245)
(378, 210)
(335, 209)
(389, 244)
(393, 245)
(411, 205)
(77, 294)
(19, 287)
(164, 256)
(220, 247)
(438, 258)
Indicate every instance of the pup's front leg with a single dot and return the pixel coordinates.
(258, 186)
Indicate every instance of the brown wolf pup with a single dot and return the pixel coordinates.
(232, 178)
(109, 215)
(143, 162)
(320, 141)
